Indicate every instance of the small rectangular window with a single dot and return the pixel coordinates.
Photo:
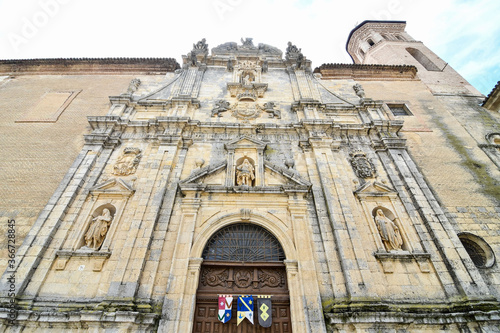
(399, 109)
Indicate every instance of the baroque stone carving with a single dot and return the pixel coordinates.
(359, 90)
(201, 46)
(246, 110)
(363, 167)
(389, 231)
(245, 173)
(221, 106)
(292, 51)
(269, 108)
(247, 43)
(98, 229)
(133, 86)
(127, 163)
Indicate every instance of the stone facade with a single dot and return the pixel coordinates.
(379, 183)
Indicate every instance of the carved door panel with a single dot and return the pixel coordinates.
(220, 278)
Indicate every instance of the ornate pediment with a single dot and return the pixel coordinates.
(245, 141)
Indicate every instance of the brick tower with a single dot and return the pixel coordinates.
(387, 43)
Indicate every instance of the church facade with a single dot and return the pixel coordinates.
(344, 198)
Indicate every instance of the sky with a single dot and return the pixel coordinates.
(464, 33)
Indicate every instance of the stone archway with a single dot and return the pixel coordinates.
(242, 259)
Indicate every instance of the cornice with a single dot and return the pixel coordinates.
(367, 72)
(88, 66)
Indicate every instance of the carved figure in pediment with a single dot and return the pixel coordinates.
(98, 229)
(359, 90)
(245, 173)
(127, 163)
(389, 232)
(269, 108)
(220, 107)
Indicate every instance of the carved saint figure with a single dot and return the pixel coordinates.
(245, 173)
(389, 232)
(98, 230)
(246, 80)
(133, 86)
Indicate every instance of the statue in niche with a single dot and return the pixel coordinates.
(245, 173)
(127, 163)
(359, 90)
(98, 230)
(389, 232)
(230, 65)
(247, 80)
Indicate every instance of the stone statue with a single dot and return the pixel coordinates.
(359, 90)
(389, 232)
(265, 66)
(127, 163)
(193, 58)
(246, 80)
(245, 173)
(230, 66)
(292, 48)
(300, 60)
(98, 230)
(133, 86)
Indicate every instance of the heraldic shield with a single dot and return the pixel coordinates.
(245, 308)
(225, 306)
(265, 311)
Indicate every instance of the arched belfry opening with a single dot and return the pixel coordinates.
(242, 259)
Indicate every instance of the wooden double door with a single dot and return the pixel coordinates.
(240, 278)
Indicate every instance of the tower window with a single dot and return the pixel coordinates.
(370, 42)
(399, 109)
(422, 59)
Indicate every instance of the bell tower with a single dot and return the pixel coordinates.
(387, 43)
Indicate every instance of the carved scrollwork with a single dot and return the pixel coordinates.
(271, 278)
(220, 106)
(214, 277)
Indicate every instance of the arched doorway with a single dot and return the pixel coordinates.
(242, 259)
